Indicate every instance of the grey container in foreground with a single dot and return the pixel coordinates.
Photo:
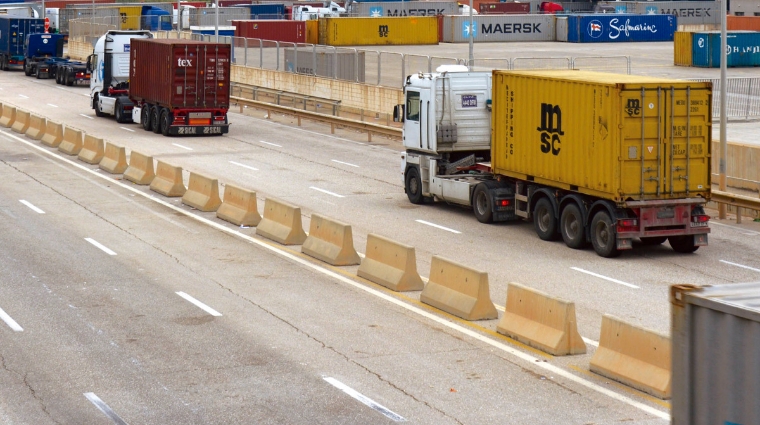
(716, 354)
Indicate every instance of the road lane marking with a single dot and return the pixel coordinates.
(740, 265)
(501, 308)
(199, 304)
(267, 143)
(86, 116)
(25, 97)
(10, 322)
(103, 407)
(54, 106)
(327, 192)
(244, 166)
(180, 146)
(128, 129)
(738, 229)
(99, 245)
(345, 163)
(364, 399)
(29, 204)
(438, 226)
(469, 330)
(605, 277)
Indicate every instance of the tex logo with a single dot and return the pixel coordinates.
(652, 10)
(468, 29)
(595, 29)
(375, 12)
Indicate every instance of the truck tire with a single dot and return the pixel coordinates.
(58, 74)
(544, 220)
(654, 240)
(37, 73)
(482, 204)
(118, 112)
(27, 70)
(155, 119)
(145, 117)
(572, 228)
(68, 77)
(96, 106)
(413, 186)
(683, 244)
(166, 121)
(603, 235)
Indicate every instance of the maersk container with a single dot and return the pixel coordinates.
(499, 8)
(180, 73)
(492, 28)
(716, 354)
(273, 30)
(687, 12)
(378, 31)
(682, 48)
(404, 8)
(743, 49)
(601, 28)
(13, 32)
(635, 138)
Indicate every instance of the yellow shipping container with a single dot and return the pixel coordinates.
(130, 17)
(312, 31)
(617, 137)
(378, 31)
(682, 48)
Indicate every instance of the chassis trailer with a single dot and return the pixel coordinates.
(587, 157)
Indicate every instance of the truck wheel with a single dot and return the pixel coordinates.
(145, 117)
(603, 235)
(572, 228)
(58, 76)
(68, 77)
(96, 106)
(482, 204)
(166, 121)
(155, 119)
(654, 240)
(119, 112)
(544, 220)
(413, 186)
(37, 73)
(683, 244)
(27, 70)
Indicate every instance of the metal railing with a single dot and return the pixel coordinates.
(742, 97)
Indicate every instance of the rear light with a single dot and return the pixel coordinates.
(699, 220)
(627, 224)
(504, 203)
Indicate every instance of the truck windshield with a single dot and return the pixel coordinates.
(413, 106)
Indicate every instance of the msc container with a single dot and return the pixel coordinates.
(715, 354)
(682, 48)
(744, 23)
(620, 27)
(743, 49)
(635, 138)
(687, 12)
(312, 31)
(404, 8)
(130, 17)
(266, 11)
(13, 32)
(273, 30)
(180, 73)
(206, 16)
(456, 29)
(340, 65)
(504, 8)
(378, 31)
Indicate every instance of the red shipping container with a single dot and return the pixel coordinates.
(61, 4)
(180, 74)
(504, 8)
(274, 30)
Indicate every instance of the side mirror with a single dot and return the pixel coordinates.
(398, 113)
(89, 63)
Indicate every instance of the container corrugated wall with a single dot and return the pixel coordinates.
(504, 8)
(274, 30)
(130, 17)
(687, 12)
(561, 28)
(403, 8)
(605, 28)
(682, 48)
(493, 28)
(745, 23)
(743, 49)
(716, 355)
(180, 73)
(378, 31)
(206, 16)
(312, 31)
(582, 131)
(340, 65)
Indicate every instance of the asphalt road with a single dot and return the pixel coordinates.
(114, 325)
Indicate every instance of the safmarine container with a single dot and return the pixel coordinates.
(682, 48)
(274, 30)
(601, 28)
(618, 137)
(180, 73)
(743, 49)
(503, 8)
(403, 8)
(491, 28)
(716, 354)
(378, 31)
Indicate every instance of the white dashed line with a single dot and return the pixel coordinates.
(364, 399)
(128, 129)
(25, 97)
(605, 277)
(183, 147)
(9, 320)
(272, 144)
(86, 116)
(99, 245)
(345, 163)
(54, 106)
(199, 304)
(740, 265)
(103, 407)
(437, 226)
(244, 166)
(738, 229)
(327, 192)
(35, 209)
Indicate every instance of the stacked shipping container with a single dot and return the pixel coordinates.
(456, 29)
(600, 28)
(378, 31)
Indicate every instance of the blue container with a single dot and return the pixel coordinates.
(13, 32)
(156, 19)
(606, 28)
(224, 31)
(266, 10)
(743, 49)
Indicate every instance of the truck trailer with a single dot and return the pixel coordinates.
(586, 156)
(39, 48)
(13, 32)
(172, 87)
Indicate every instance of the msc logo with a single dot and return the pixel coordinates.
(595, 29)
(551, 128)
(383, 30)
(633, 107)
(184, 62)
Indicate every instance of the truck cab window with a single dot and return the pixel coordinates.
(413, 106)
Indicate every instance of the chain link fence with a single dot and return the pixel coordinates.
(742, 98)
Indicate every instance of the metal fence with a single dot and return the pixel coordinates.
(742, 97)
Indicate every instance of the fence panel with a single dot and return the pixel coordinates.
(541, 63)
(742, 97)
(618, 64)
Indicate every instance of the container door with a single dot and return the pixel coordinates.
(643, 150)
(416, 119)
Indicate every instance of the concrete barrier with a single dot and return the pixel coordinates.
(140, 170)
(72, 141)
(36, 128)
(202, 193)
(458, 290)
(538, 320)
(239, 207)
(281, 223)
(53, 134)
(114, 159)
(8, 117)
(330, 241)
(168, 180)
(635, 356)
(390, 264)
(93, 150)
(21, 124)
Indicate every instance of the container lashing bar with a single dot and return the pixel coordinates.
(688, 136)
(672, 135)
(643, 128)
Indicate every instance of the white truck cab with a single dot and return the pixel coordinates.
(305, 13)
